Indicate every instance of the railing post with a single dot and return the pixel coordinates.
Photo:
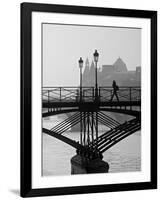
(80, 93)
(99, 94)
(48, 100)
(140, 97)
(60, 93)
(93, 93)
(96, 129)
(84, 127)
(130, 100)
(140, 94)
(111, 91)
(92, 128)
(81, 128)
(88, 136)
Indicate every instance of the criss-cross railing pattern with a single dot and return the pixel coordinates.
(67, 94)
(124, 94)
(72, 94)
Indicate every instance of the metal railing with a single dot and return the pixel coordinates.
(87, 94)
(124, 94)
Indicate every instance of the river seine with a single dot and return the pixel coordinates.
(123, 157)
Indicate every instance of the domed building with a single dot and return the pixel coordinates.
(120, 66)
(118, 72)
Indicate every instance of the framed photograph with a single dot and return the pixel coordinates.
(88, 99)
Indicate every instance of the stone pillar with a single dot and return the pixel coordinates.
(82, 165)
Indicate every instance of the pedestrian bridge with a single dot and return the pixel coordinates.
(88, 107)
(57, 100)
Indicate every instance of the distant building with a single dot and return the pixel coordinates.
(89, 74)
(86, 72)
(138, 70)
(118, 71)
(106, 69)
(138, 73)
(120, 66)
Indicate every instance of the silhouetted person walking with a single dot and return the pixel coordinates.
(115, 89)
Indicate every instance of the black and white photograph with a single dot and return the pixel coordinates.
(88, 104)
(80, 100)
(91, 99)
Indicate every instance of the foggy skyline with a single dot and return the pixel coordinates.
(63, 45)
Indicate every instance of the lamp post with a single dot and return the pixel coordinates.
(80, 66)
(96, 55)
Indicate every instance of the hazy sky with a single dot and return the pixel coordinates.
(63, 45)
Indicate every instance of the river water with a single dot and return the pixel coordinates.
(123, 157)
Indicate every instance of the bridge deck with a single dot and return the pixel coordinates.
(91, 104)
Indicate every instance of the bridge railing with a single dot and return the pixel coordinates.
(124, 94)
(67, 94)
(87, 94)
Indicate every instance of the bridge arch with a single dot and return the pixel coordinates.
(112, 137)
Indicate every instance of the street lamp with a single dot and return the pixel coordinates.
(80, 66)
(96, 55)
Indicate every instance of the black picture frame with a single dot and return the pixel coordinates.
(26, 103)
